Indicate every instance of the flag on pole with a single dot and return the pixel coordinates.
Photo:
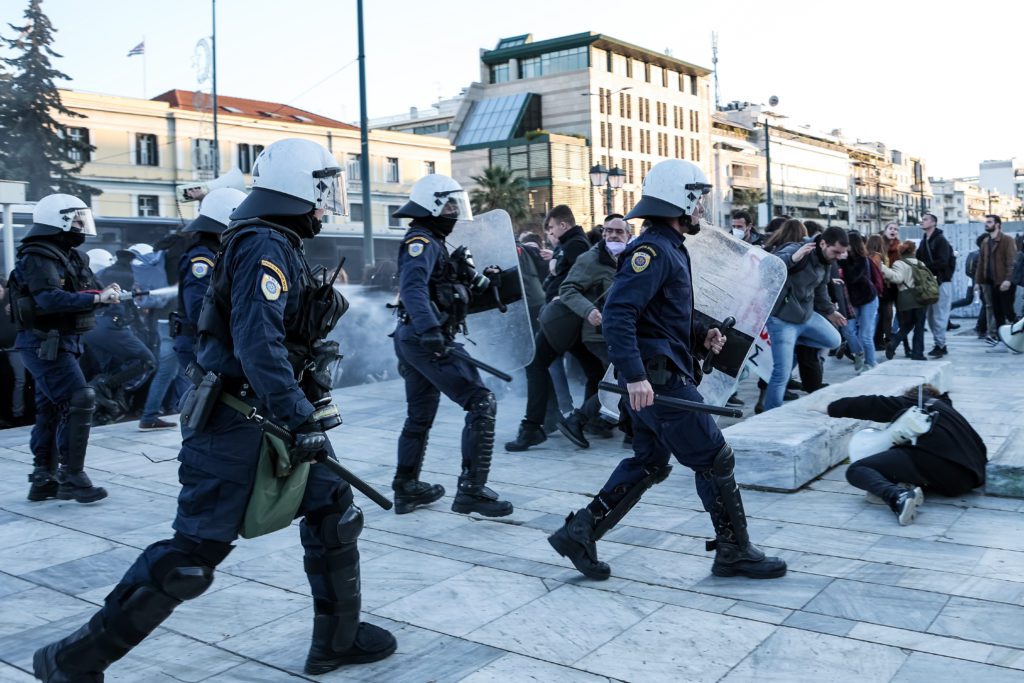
(139, 49)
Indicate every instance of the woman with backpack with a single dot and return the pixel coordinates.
(863, 284)
(911, 313)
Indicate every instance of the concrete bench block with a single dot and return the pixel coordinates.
(1004, 474)
(785, 448)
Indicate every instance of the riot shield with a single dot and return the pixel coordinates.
(730, 278)
(502, 339)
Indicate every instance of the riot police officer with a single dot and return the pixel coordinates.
(196, 267)
(53, 296)
(435, 292)
(652, 341)
(255, 343)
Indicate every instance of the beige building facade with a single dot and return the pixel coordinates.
(145, 149)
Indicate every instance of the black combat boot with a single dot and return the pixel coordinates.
(410, 492)
(529, 435)
(576, 541)
(572, 428)
(73, 482)
(735, 555)
(44, 485)
(473, 495)
(339, 637)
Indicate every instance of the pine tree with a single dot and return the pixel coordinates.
(33, 146)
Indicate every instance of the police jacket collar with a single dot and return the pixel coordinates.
(665, 230)
(293, 237)
(416, 225)
(573, 232)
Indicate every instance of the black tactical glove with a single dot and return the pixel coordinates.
(433, 340)
(310, 443)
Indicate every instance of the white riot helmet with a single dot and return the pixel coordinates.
(139, 250)
(99, 259)
(293, 177)
(672, 188)
(1013, 335)
(436, 196)
(215, 211)
(58, 213)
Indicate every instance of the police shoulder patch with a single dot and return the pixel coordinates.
(273, 268)
(270, 287)
(415, 249)
(200, 269)
(640, 260)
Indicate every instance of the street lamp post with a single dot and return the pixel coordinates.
(772, 101)
(599, 175)
(827, 209)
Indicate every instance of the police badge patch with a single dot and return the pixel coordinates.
(270, 287)
(415, 249)
(640, 261)
(200, 269)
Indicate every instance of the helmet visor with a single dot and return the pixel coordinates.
(453, 204)
(330, 190)
(79, 220)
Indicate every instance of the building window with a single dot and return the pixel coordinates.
(429, 167)
(391, 170)
(202, 155)
(664, 78)
(604, 136)
(601, 99)
(499, 73)
(353, 169)
(149, 205)
(622, 105)
(355, 213)
(629, 171)
(78, 137)
(682, 82)
(629, 67)
(430, 129)
(647, 72)
(693, 85)
(629, 106)
(622, 137)
(145, 150)
(245, 158)
(555, 62)
(392, 221)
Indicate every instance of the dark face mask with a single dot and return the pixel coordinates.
(439, 224)
(70, 240)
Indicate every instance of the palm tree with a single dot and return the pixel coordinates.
(747, 199)
(499, 190)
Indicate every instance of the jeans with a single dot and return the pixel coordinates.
(862, 328)
(18, 397)
(911, 321)
(998, 307)
(816, 332)
(938, 314)
(166, 373)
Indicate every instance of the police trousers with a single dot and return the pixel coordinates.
(55, 382)
(661, 432)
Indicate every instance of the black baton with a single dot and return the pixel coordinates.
(331, 464)
(459, 353)
(709, 359)
(695, 406)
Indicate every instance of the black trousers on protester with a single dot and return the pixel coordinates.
(538, 382)
(879, 474)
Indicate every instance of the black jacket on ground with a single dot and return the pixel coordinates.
(936, 253)
(570, 246)
(951, 438)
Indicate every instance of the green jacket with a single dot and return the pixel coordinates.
(588, 279)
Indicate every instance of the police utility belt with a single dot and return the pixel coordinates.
(661, 371)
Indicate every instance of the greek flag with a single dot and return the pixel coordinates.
(139, 49)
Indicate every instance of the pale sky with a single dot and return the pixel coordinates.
(930, 78)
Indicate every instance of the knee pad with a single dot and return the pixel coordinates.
(83, 399)
(724, 463)
(342, 528)
(187, 570)
(483, 407)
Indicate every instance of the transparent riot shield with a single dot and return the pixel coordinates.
(503, 339)
(730, 279)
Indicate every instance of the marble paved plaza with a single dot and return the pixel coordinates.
(479, 600)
